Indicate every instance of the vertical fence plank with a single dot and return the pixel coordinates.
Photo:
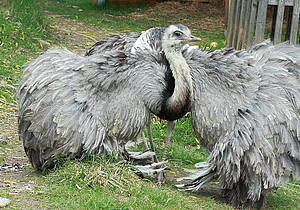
(226, 13)
(246, 25)
(295, 22)
(252, 23)
(230, 22)
(279, 22)
(244, 15)
(242, 23)
(236, 24)
(289, 23)
(261, 21)
(273, 26)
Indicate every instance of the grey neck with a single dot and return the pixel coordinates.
(179, 103)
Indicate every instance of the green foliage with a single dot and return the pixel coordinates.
(2, 159)
(27, 14)
(108, 8)
(108, 16)
(20, 34)
(286, 197)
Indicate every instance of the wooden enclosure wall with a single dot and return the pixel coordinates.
(247, 21)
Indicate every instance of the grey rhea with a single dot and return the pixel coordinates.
(134, 42)
(123, 43)
(246, 111)
(71, 106)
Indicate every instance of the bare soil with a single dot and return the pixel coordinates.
(15, 170)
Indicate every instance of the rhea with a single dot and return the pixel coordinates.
(245, 110)
(149, 41)
(72, 106)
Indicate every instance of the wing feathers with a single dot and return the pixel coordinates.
(69, 105)
(246, 110)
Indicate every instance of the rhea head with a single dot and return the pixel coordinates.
(176, 36)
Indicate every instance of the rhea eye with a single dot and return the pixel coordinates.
(177, 33)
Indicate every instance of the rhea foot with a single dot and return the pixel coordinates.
(154, 170)
(142, 158)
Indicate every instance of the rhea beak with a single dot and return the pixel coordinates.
(194, 39)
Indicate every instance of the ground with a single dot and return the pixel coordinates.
(73, 34)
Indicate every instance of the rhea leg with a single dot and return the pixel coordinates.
(170, 127)
(144, 142)
(149, 130)
(154, 170)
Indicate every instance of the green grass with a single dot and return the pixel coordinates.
(267, 34)
(105, 183)
(285, 197)
(109, 16)
(123, 18)
(183, 140)
(20, 33)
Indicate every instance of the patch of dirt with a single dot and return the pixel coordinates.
(74, 35)
(205, 16)
(15, 170)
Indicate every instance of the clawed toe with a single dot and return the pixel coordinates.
(142, 157)
(154, 170)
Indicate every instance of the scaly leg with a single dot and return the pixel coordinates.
(170, 127)
(149, 130)
(144, 142)
(145, 157)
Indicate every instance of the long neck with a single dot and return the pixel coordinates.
(179, 103)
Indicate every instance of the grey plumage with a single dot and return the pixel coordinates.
(245, 107)
(59, 101)
(246, 112)
(72, 106)
(122, 43)
(148, 41)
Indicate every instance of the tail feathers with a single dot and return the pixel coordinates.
(204, 173)
(44, 160)
(35, 159)
(238, 195)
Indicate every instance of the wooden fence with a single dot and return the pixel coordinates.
(246, 21)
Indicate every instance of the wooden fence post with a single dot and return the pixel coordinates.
(295, 22)
(231, 23)
(244, 15)
(261, 21)
(277, 22)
